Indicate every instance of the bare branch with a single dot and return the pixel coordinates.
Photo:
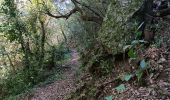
(88, 7)
(66, 16)
(83, 16)
(92, 18)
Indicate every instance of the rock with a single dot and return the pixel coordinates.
(161, 60)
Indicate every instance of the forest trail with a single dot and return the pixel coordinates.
(60, 89)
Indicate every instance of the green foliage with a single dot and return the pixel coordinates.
(27, 32)
(109, 98)
(127, 77)
(13, 30)
(132, 54)
(137, 42)
(14, 27)
(9, 8)
(62, 52)
(138, 34)
(116, 31)
(56, 56)
(139, 74)
(106, 66)
(23, 80)
(3, 91)
(121, 88)
(141, 70)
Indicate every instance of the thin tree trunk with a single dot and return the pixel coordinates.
(65, 37)
(43, 36)
(25, 51)
(10, 61)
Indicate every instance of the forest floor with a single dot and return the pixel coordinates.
(155, 83)
(59, 89)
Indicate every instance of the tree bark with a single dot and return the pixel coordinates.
(43, 36)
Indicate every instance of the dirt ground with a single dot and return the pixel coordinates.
(157, 82)
(58, 90)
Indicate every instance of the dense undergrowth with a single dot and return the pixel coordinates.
(36, 60)
(140, 73)
(124, 53)
(120, 53)
(24, 79)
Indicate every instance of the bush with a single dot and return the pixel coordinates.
(27, 78)
(23, 80)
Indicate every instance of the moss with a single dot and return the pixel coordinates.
(117, 30)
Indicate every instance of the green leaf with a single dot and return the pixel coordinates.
(132, 53)
(120, 88)
(127, 77)
(143, 41)
(134, 42)
(139, 74)
(138, 34)
(143, 64)
(126, 47)
(109, 98)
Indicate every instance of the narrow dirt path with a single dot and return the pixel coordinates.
(61, 88)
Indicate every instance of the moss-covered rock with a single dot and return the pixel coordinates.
(117, 29)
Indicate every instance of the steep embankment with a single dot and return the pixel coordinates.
(154, 83)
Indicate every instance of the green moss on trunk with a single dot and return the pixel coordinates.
(118, 29)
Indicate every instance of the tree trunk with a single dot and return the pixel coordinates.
(43, 36)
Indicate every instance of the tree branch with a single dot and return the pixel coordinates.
(162, 13)
(62, 16)
(83, 16)
(92, 18)
(88, 8)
